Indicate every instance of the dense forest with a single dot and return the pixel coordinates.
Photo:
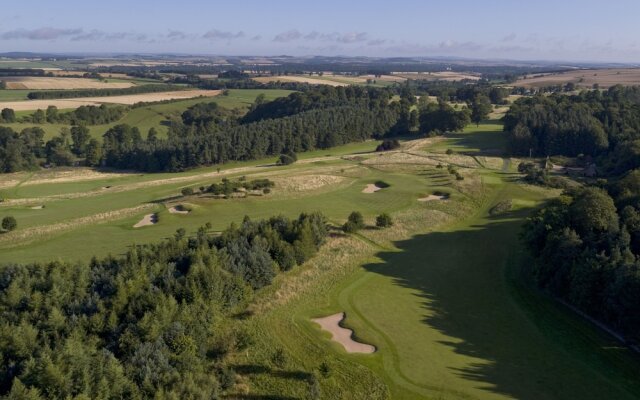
(207, 134)
(586, 243)
(319, 98)
(190, 146)
(593, 123)
(154, 323)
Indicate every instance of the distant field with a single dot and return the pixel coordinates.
(300, 79)
(584, 78)
(96, 101)
(333, 79)
(442, 76)
(10, 95)
(46, 83)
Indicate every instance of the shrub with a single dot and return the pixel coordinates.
(383, 220)
(349, 227)
(285, 159)
(449, 151)
(279, 358)
(357, 219)
(187, 191)
(325, 369)
(9, 223)
(382, 184)
(501, 207)
(388, 144)
(459, 177)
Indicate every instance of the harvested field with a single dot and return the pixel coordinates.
(48, 83)
(342, 335)
(584, 78)
(96, 101)
(442, 76)
(149, 219)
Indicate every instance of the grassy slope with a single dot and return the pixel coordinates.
(451, 318)
(156, 115)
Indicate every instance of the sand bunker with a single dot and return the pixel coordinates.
(371, 188)
(179, 209)
(433, 197)
(149, 219)
(40, 207)
(342, 335)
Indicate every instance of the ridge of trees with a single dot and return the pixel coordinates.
(594, 123)
(157, 321)
(67, 94)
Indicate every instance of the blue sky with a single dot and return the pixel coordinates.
(572, 30)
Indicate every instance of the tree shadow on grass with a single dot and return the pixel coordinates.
(256, 369)
(461, 278)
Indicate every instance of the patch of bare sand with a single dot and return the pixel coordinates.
(371, 188)
(433, 197)
(178, 209)
(40, 207)
(149, 219)
(342, 335)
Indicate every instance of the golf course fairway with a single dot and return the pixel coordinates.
(450, 312)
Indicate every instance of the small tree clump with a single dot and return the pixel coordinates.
(187, 191)
(384, 220)
(354, 223)
(286, 159)
(9, 223)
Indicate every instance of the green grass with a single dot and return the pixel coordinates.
(452, 318)
(486, 139)
(441, 294)
(13, 95)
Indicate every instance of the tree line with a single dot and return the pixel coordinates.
(586, 245)
(190, 146)
(157, 322)
(594, 123)
(67, 94)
